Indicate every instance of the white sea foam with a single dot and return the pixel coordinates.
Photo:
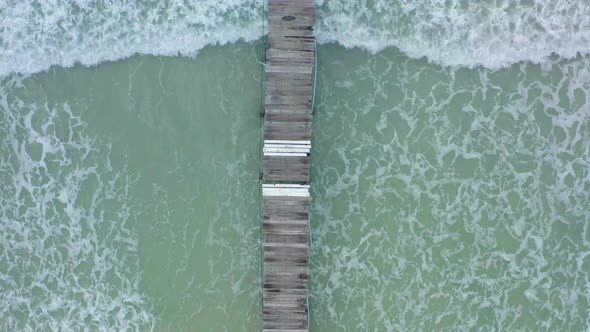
(67, 243)
(34, 35)
(467, 211)
(468, 33)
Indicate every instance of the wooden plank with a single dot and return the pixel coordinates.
(287, 115)
(276, 83)
(291, 17)
(287, 130)
(283, 85)
(297, 307)
(291, 31)
(288, 45)
(271, 226)
(299, 3)
(292, 3)
(287, 133)
(284, 58)
(275, 9)
(289, 69)
(287, 108)
(271, 238)
(287, 36)
(270, 323)
(298, 101)
(286, 168)
(284, 260)
(276, 231)
(291, 207)
(289, 104)
(273, 54)
(285, 283)
(279, 151)
(297, 94)
(281, 203)
(287, 297)
(290, 90)
(293, 276)
(302, 92)
(287, 126)
(286, 77)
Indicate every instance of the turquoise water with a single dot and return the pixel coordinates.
(449, 199)
(137, 195)
(450, 168)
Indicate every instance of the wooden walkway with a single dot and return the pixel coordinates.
(287, 143)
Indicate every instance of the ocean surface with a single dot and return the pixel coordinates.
(450, 168)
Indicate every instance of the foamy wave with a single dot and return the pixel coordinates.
(461, 32)
(35, 35)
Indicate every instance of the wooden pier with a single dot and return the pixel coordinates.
(290, 58)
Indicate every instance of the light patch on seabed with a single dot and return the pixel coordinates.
(68, 248)
(450, 199)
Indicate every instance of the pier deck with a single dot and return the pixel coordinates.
(288, 106)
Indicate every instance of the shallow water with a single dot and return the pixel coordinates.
(138, 202)
(444, 198)
(449, 199)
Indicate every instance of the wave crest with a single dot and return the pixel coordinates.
(38, 34)
(461, 32)
(35, 34)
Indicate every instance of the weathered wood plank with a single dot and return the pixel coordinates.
(290, 31)
(286, 168)
(286, 214)
(287, 36)
(292, 229)
(276, 82)
(296, 108)
(301, 91)
(281, 85)
(288, 95)
(287, 77)
(281, 322)
(283, 115)
(291, 18)
(306, 12)
(287, 135)
(272, 68)
(287, 45)
(273, 54)
(287, 100)
(276, 134)
(287, 119)
(290, 3)
(287, 130)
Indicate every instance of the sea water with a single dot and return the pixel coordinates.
(451, 166)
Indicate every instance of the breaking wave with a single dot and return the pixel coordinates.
(38, 34)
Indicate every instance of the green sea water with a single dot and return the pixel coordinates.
(450, 199)
(138, 195)
(443, 199)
